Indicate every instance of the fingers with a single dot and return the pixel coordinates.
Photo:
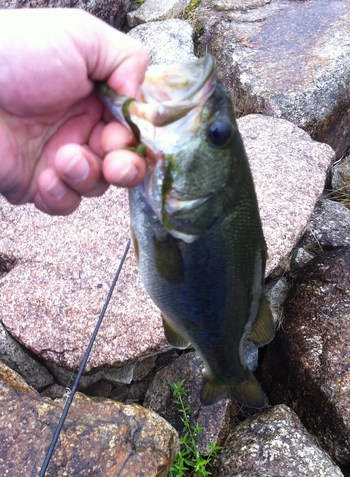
(76, 172)
(124, 60)
(124, 168)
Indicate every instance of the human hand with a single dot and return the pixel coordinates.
(56, 144)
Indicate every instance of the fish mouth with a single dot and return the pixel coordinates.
(168, 93)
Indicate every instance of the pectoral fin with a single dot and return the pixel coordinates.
(248, 392)
(264, 327)
(173, 337)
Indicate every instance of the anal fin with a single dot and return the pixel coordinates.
(173, 337)
(263, 329)
(248, 393)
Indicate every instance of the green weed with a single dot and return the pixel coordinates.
(189, 462)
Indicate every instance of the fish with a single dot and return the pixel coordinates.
(196, 226)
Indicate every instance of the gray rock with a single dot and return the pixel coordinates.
(329, 227)
(341, 178)
(155, 10)
(216, 419)
(288, 59)
(168, 41)
(99, 438)
(16, 356)
(289, 171)
(307, 365)
(271, 444)
(111, 11)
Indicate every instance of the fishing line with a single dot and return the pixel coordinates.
(82, 367)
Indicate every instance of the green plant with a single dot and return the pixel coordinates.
(189, 462)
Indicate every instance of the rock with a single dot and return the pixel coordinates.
(51, 299)
(155, 10)
(341, 178)
(289, 171)
(285, 59)
(168, 41)
(66, 264)
(111, 11)
(328, 228)
(215, 419)
(15, 356)
(271, 444)
(100, 438)
(307, 365)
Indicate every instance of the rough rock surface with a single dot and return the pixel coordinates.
(17, 358)
(155, 10)
(50, 300)
(271, 444)
(216, 419)
(307, 365)
(328, 228)
(99, 438)
(341, 177)
(111, 11)
(289, 171)
(288, 59)
(168, 41)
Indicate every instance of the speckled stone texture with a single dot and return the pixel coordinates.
(168, 41)
(155, 10)
(51, 299)
(99, 438)
(308, 364)
(289, 171)
(215, 419)
(273, 443)
(288, 59)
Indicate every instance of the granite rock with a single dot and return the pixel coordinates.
(18, 359)
(168, 41)
(287, 59)
(271, 444)
(341, 178)
(329, 227)
(289, 170)
(99, 438)
(156, 10)
(307, 365)
(51, 298)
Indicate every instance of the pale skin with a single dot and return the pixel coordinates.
(57, 141)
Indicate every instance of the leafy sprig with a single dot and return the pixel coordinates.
(189, 462)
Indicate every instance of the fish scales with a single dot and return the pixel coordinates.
(197, 230)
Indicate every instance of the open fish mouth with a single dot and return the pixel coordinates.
(168, 93)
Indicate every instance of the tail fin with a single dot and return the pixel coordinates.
(248, 392)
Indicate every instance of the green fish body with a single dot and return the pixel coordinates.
(196, 228)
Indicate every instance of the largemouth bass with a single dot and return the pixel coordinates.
(195, 224)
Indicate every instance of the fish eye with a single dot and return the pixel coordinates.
(219, 132)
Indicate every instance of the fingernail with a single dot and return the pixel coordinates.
(77, 169)
(56, 188)
(127, 175)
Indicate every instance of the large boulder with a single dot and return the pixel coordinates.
(99, 438)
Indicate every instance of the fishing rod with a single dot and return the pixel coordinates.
(70, 398)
